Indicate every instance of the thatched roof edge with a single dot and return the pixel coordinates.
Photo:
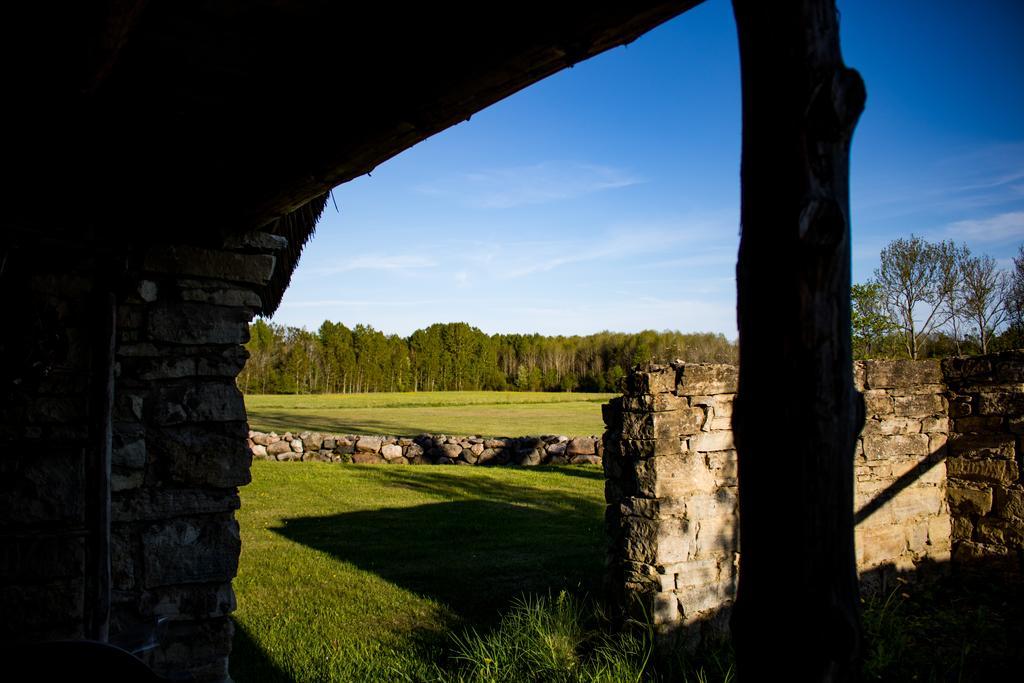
(297, 227)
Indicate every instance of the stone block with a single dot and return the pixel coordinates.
(152, 503)
(963, 369)
(49, 611)
(191, 601)
(195, 323)
(940, 536)
(937, 444)
(278, 448)
(652, 379)
(859, 375)
(581, 446)
(983, 446)
(391, 451)
(1015, 424)
(366, 458)
(226, 363)
(654, 403)
(878, 544)
(999, 532)
(895, 446)
(125, 453)
(122, 480)
(673, 476)
(44, 558)
(930, 425)
(640, 540)
(665, 609)
(919, 405)
(211, 263)
(978, 423)
(699, 600)
(878, 403)
(223, 296)
(997, 471)
(43, 486)
(451, 450)
(262, 241)
(712, 441)
(206, 401)
(1005, 402)
(706, 379)
(888, 374)
(966, 500)
(191, 550)
(640, 449)
(211, 454)
(1009, 504)
(891, 425)
(369, 444)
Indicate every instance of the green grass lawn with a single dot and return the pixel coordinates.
(361, 573)
(487, 413)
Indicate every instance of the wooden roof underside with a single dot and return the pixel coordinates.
(182, 118)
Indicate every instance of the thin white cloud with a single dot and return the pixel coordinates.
(377, 262)
(357, 303)
(999, 228)
(548, 181)
(988, 176)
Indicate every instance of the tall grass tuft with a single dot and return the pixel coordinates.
(554, 638)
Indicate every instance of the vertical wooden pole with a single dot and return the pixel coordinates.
(797, 595)
(98, 581)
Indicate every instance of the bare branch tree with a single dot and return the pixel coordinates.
(985, 290)
(917, 278)
(1015, 300)
(953, 310)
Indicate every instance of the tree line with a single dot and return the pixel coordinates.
(937, 299)
(457, 356)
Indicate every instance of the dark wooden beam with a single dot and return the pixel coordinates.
(797, 598)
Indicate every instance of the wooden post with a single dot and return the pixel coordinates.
(797, 596)
(98, 574)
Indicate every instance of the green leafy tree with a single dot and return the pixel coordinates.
(872, 326)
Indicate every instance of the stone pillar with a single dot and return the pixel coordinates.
(180, 449)
(672, 503)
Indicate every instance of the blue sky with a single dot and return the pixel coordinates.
(607, 196)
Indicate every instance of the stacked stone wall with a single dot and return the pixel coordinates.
(903, 517)
(986, 456)
(46, 388)
(426, 449)
(672, 513)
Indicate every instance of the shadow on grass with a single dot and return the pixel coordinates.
(472, 555)
(250, 663)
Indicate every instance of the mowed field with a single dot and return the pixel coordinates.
(364, 573)
(484, 413)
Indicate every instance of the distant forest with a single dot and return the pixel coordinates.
(456, 356)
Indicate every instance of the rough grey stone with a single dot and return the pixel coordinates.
(369, 444)
(191, 550)
(195, 323)
(221, 265)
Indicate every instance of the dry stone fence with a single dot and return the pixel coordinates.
(937, 467)
(427, 449)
